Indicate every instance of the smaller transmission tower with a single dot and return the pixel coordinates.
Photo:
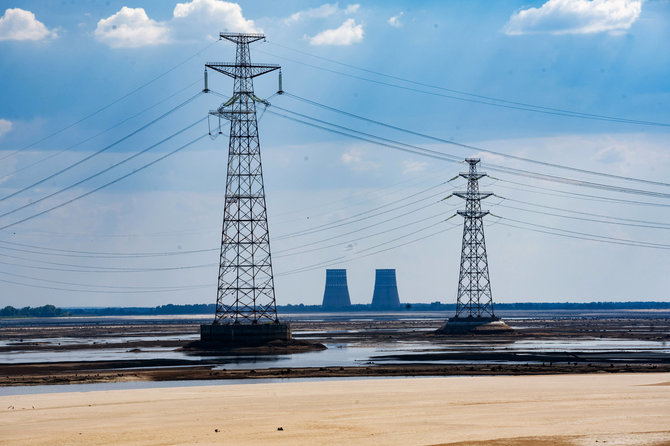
(474, 304)
(474, 287)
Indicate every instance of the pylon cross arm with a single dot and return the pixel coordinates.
(242, 37)
(237, 71)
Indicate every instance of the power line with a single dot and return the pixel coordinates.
(441, 156)
(451, 158)
(103, 269)
(52, 155)
(111, 103)
(377, 139)
(543, 110)
(352, 196)
(114, 255)
(474, 148)
(103, 235)
(550, 214)
(395, 228)
(464, 93)
(332, 226)
(86, 158)
(577, 195)
(647, 222)
(575, 182)
(335, 223)
(102, 186)
(339, 260)
(128, 289)
(96, 269)
(107, 169)
(595, 237)
(92, 268)
(97, 254)
(75, 290)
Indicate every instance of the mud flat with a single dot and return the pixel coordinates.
(395, 347)
(621, 409)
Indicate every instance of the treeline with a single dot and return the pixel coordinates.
(44, 311)
(584, 306)
(438, 306)
(52, 311)
(144, 311)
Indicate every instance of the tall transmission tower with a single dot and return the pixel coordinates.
(474, 286)
(245, 293)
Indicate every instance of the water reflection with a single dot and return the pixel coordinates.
(337, 354)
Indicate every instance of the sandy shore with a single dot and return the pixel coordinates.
(504, 410)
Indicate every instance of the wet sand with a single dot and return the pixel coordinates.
(136, 336)
(620, 409)
(168, 370)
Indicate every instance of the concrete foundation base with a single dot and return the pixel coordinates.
(475, 325)
(245, 334)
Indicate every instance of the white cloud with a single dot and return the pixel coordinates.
(395, 20)
(131, 28)
(487, 157)
(352, 9)
(347, 34)
(354, 158)
(19, 24)
(575, 17)
(410, 166)
(5, 127)
(217, 14)
(623, 154)
(321, 12)
(631, 154)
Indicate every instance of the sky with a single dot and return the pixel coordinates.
(529, 86)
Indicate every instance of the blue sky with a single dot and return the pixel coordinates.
(61, 62)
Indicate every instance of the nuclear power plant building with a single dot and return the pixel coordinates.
(386, 290)
(336, 294)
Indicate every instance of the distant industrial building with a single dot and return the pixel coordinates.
(336, 294)
(386, 290)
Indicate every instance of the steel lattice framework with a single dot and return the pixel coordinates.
(474, 287)
(245, 285)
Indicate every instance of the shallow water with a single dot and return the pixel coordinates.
(129, 385)
(99, 340)
(337, 354)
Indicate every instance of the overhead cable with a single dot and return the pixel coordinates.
(571, 113)
(472, 147)
(100, 172)
(104, 149)
(508, 105)
(118, 124)
(78, 197)
(410, 148)
(116, 101)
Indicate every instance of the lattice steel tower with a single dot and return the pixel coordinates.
(246, 286)
(474, 287)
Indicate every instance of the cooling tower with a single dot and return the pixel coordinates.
(386, 290)
(336, 294)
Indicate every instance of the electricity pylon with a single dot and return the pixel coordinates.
(245, 291)
(474, 286)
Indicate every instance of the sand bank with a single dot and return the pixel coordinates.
(553, 409)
